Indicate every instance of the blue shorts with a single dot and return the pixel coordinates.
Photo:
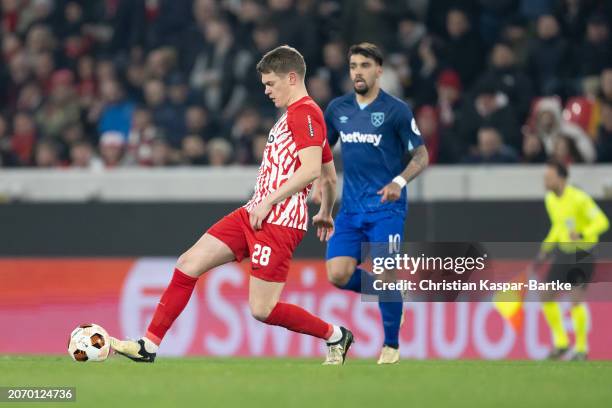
(354, 229)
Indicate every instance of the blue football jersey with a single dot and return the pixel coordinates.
(373, 141)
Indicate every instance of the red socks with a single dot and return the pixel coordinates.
(178, 292)
(170, 306)
(296, 319)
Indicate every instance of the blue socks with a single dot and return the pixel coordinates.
(390, 304)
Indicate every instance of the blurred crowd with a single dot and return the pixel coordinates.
(109, 83)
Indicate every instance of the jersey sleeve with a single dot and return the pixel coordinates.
(597, 222)
(327, 153)
(307, 127)
(332, 132)
(407, 128)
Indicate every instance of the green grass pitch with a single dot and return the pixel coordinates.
(270, 383)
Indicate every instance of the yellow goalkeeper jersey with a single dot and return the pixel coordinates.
(575, 211)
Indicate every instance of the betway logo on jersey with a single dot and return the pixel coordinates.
(357, 137)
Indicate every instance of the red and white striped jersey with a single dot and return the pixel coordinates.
(301, 126)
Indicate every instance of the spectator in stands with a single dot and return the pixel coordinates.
(86, 85)
(606, 83)
(82, 156)
(595, 52)
(160, 63)
(44, 66)
(24, 137)
(515, 34)
(30, 98)
(62, 107)
(371, 20)
(219, 69)
(219, 152)
(427, 121)
(115, 111)
(565, 151)
(604, 136)
(548, 125)
(533, 150)
(265, 38)
(113, 149)
(35, 12)
(194, 150)
(297, 26)
(46, 154)
(572, 15)
(491, 149)
(199, 122)
(549, 61)
(319, 90)
(247, 123)
(7, 157)
(334, 67)
(489, 108)
(449, 90)
(71, 134)
(410, 33)
(168, 119)
(141, 136)
(511, 79)
(463, 49)
(162, 154)
(19, 74)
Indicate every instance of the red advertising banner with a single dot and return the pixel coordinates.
(42, 300)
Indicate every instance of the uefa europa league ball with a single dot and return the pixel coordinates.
(89, 342)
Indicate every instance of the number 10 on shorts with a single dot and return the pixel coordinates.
(261, 255)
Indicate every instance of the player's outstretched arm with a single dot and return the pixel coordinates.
(327, 187)
(309, 170)
(418, 163)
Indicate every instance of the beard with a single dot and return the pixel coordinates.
(362, 91)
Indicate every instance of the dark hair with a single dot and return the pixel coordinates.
(559, 167)
(282, 60)
(368, 50)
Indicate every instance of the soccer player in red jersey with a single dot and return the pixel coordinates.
(271, 225)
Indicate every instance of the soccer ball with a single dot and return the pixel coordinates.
(89, 342)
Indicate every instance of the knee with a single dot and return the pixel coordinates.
(189, 264)
(261, 310)
(339, 276)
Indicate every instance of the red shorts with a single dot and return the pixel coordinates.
(271, 248)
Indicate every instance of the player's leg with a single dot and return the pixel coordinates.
(265, 306)
(580, 276)
(223, 243)
(385, 233)
(552, 309)
(271, 252)
(344, 254)
(207, 253)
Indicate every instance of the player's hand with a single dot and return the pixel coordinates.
(390, 192)
(259, 214)
(325, 226)
(574, 236)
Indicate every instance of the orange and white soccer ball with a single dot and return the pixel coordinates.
(89, 342)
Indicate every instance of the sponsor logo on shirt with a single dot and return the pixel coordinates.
(310, 129)
(343, 119)
(357, 137)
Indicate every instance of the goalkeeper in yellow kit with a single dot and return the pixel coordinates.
(576, 224)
